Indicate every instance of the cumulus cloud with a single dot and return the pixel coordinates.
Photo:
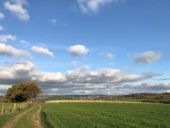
(51, 77)
(78, 50)
(147, 57)
(7, 50)
(42, 50)
(25, 71)
(6, 38)
(2, 16)
(88, 6)
(80, 81)
(17, 9)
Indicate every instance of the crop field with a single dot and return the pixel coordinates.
(105, 115)
(87, 115)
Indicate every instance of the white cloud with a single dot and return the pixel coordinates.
(88, 6)
(17, 8)
(6, 38)
(106, 76)
(25, 71)
(82, 80)
(147, 57)
(51, 77)
(78, 50)
(42, 50)
(2, 16)
(8, 50)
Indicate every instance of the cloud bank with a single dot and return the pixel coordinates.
(82, 80)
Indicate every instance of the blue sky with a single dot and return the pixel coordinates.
(117, 41)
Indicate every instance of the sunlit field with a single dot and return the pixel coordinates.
(106, 115)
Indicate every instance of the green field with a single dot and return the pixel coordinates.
(106, 115)
(88, 115)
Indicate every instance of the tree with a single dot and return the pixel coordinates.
(23, 92)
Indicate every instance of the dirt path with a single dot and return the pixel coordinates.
(16, 118)
(36, 118)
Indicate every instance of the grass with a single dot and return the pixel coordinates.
(106, 115)
(27, 120)
(6, 105)
(5, 117)
(95, 115)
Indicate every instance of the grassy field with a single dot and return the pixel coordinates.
(88, 115)
(105, 115)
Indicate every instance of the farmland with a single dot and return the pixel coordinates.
(106, 115)
(88, 115)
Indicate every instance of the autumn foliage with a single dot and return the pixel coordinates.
(23, 92)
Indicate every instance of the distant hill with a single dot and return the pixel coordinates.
(143, 97)
(151, 97)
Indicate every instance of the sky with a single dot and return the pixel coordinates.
(86, 47)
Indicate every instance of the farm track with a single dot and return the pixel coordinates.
(36, 118)
(31, 115)
(12, 122)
